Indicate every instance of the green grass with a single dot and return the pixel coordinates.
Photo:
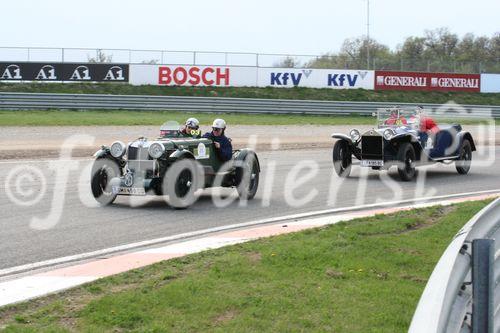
(130, 118)
(270, 92)
(361, 276)
(127, 118)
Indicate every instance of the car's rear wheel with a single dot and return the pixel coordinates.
(464, 160)
(342, 158)
(181, 182)
(406, 161)
(103, 170)
(248, 176)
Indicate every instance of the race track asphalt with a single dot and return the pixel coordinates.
(27, 236)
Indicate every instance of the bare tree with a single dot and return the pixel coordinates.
(100, 57)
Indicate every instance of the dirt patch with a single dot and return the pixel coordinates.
(417, 224)
(254, 257)
(225, 316)
(440, 212)
(413, 278)
(334, 274)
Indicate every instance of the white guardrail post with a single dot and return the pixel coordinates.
(461, 294)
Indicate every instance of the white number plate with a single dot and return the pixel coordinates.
(370, 163)
(129, 190)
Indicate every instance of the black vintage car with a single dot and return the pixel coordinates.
(399, 141)
(172, 165)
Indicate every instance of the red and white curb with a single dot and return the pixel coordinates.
(40, 284)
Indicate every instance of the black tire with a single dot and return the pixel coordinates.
(406, 161)
(465, 157)
(248, 178)
(342, 158)
(103, 170)
(181, 181)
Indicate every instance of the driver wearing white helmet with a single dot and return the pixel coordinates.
(223, 146)
(191, 128)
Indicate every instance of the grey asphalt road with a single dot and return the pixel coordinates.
(33, 232)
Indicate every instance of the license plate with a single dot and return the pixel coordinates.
(129, 190)
(371, 163)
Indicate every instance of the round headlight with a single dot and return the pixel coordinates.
(156, 150)
(354, 134)
(118, 149)
(388, 134)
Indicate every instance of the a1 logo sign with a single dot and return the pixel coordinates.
(115, 73)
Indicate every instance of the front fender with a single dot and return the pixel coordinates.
(403, 137)
(181, 153)
(342, 137)
(101, 152)
(242, 154)
(466, 135)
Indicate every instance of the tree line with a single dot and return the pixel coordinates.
(438, 50)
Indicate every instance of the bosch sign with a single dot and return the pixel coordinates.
(385, 80)
(193, 76)
(33, 71)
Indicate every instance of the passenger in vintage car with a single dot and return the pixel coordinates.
(222, 143)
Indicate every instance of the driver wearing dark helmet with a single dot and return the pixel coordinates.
(191, 129)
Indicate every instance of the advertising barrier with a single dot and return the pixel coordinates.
(34, 71)
(205, 76)
(241, 76)
(490, 83)
(232, 76)
(316, 78)
(389, 80)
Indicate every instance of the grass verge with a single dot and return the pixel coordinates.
(156, 118)
(129, 118)
(361, 276)
(251, 92)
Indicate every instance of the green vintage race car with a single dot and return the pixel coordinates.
(173, 165)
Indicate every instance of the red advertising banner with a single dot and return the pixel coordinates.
(388, 80)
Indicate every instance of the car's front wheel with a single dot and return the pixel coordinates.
(463, 162)
(180, 183)
(103, 170)
(342, 158)
(406, 161)
(248, 176)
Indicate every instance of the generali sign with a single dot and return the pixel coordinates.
(386, 80)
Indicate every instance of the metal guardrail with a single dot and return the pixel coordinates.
(20, 101)
(446, 304)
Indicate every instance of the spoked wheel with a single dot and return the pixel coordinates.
(248, 176)
(103, 170)
(183, 183)
(465, 158)
(406, 161)
(342, 158)
(180, 183)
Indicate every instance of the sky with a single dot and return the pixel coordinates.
(257, 26)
